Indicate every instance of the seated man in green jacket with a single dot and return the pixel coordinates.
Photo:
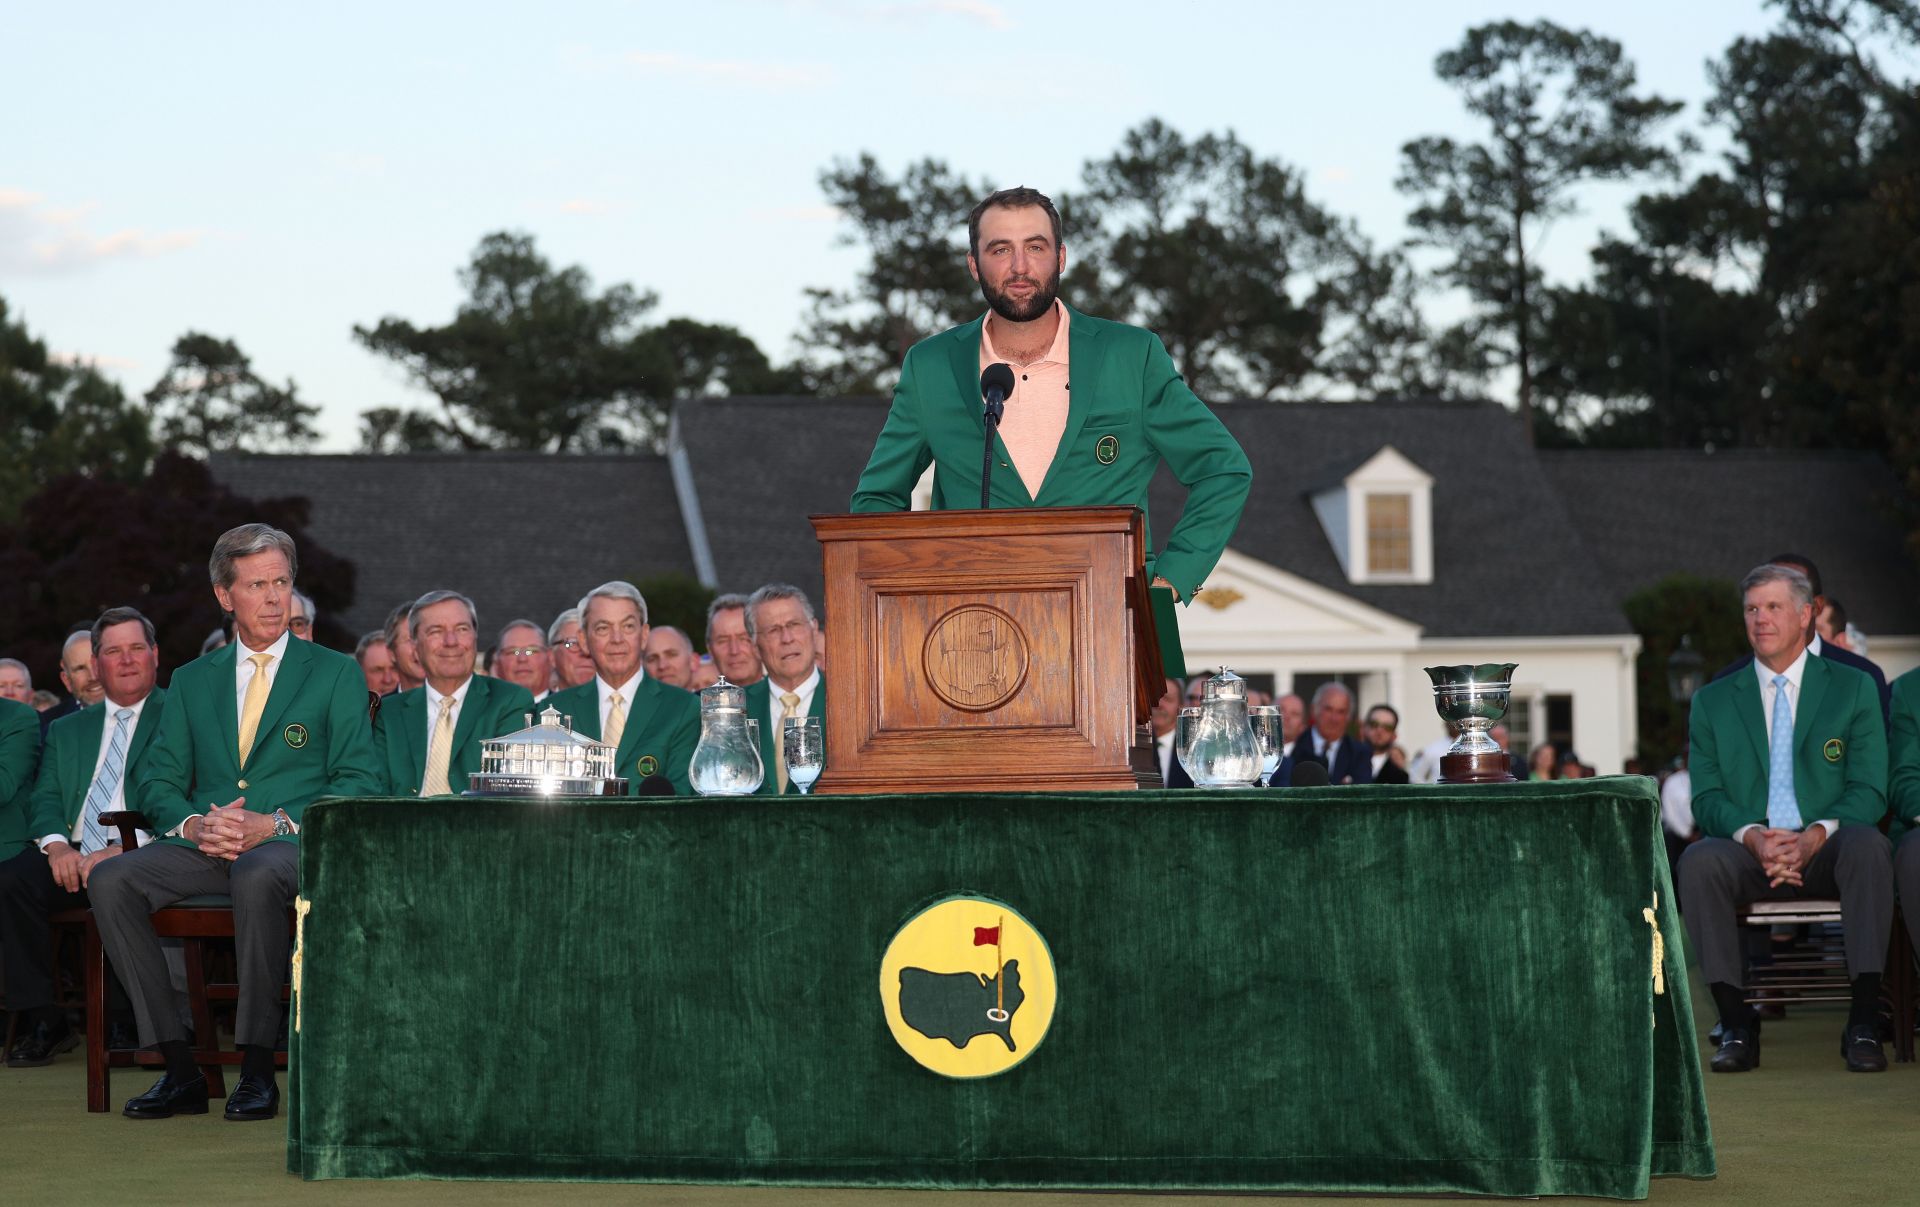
(252, 733)
(1095, 439)
(89, 759)
(427, 738)
(780, 620)
(653, 728)
(1903, 796)
(1788, 757)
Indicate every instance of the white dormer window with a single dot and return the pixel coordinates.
(1379, 520)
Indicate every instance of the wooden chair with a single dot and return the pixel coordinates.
(1818, 973)
(195, 921)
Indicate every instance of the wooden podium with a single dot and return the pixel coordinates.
(1001, 650)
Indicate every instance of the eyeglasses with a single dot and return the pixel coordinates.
(570, 644)
(525, 651)
(1386, 725)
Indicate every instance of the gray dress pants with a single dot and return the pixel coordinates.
(1719, 876)
(262, 882)
(1906, 877)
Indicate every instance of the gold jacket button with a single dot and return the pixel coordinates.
(242, 785)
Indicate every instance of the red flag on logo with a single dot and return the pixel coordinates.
(986, 936)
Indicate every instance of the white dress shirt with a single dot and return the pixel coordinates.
(1163, 746)
(777, 710)
(459, 698)
(626, 691)
(243, 672)
(119, 799)
(1769, 694)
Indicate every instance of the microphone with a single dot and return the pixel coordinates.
(996, 382)
(1309, 774)
(654, 785)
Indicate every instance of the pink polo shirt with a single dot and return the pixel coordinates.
(1036, 415)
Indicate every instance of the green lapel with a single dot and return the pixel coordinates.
(409, 718)
(964, 355)
(149, 721)
(1085, 350)
(80, 754)
(287, 682)
(1814, 682)
(1746, 706)
(223, 677)
(645, 700)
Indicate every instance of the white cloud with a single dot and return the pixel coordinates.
(770, 77)
(44, 239)
(116, 364)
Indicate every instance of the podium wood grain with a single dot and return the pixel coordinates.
(988, 650)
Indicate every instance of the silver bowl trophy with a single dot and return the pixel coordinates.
(547, 759)
(1473, 697)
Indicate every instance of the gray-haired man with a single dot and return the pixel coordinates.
(652, 727)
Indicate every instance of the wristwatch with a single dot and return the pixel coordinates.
(282, 824)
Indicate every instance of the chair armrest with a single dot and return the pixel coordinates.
(128, 821)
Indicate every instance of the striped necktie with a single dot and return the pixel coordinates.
(106, 782)
(254, 705)
(616, 721)
(1783, 811)
(439, 752)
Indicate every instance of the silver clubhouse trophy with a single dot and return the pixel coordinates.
(1473, 697)
(546, 759)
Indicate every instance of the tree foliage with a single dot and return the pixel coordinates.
(210, 400)
(1560, 110)
(60, 419)
(60, 566)
(1704, 611)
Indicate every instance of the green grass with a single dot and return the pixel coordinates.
(1800, 1131)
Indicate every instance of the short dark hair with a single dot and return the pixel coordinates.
(114, 616)
(1011, 199)
(1389, 709)
(1802, 563)
(1837, 615)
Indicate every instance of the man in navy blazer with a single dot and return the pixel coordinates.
(1819, 648)
(1348, 760)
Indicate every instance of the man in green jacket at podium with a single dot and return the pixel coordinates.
(1091, 437)
(1789, 763)
(428, 737)
(780, 620)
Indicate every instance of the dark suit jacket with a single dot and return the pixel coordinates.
(66, 765)
(663, 727)
(313, 740)
(1352, 761)
(1390, 774)
(493, 707)
(1844, 658)
(1176, 775)
(66, 708)
(759, 694)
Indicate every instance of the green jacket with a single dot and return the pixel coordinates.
(759, 697)
(1839, 750)
(313, 740)
(1903, 754)
(493, 707)
(66, 767)
(19, 755)
(1129, 410)
(663, 727)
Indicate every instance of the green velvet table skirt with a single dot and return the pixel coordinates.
(1363, 989)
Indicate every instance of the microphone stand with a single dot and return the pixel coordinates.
(995, 406)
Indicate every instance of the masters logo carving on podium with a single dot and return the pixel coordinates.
(968, 987)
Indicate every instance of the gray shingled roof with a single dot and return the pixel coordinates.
(1648, 514)
(523, 534)
(762, 466)
(1507, 559)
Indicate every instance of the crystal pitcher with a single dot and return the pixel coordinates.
(726, 762)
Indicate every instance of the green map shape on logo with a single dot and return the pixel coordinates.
(953, 1005)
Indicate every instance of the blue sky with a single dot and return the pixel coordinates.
(276, 176)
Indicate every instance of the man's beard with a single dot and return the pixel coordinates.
(1016, 311)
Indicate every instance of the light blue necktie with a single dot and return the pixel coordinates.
(92, 836)
(1783, 812)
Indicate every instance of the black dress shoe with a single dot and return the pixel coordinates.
(46, 1041)
(1860, 1044)
(254, 1098)
(169, 1096)
(1739, 1050)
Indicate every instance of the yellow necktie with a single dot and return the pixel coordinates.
(616, 721)
(439, 751)
(789, 707)
(254, 705)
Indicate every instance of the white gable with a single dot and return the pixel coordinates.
(1250, 605)
(1343, 511)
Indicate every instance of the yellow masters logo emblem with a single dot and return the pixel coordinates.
(1107, 451)
(968, 987)
(648, 765)
(1834, 749)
